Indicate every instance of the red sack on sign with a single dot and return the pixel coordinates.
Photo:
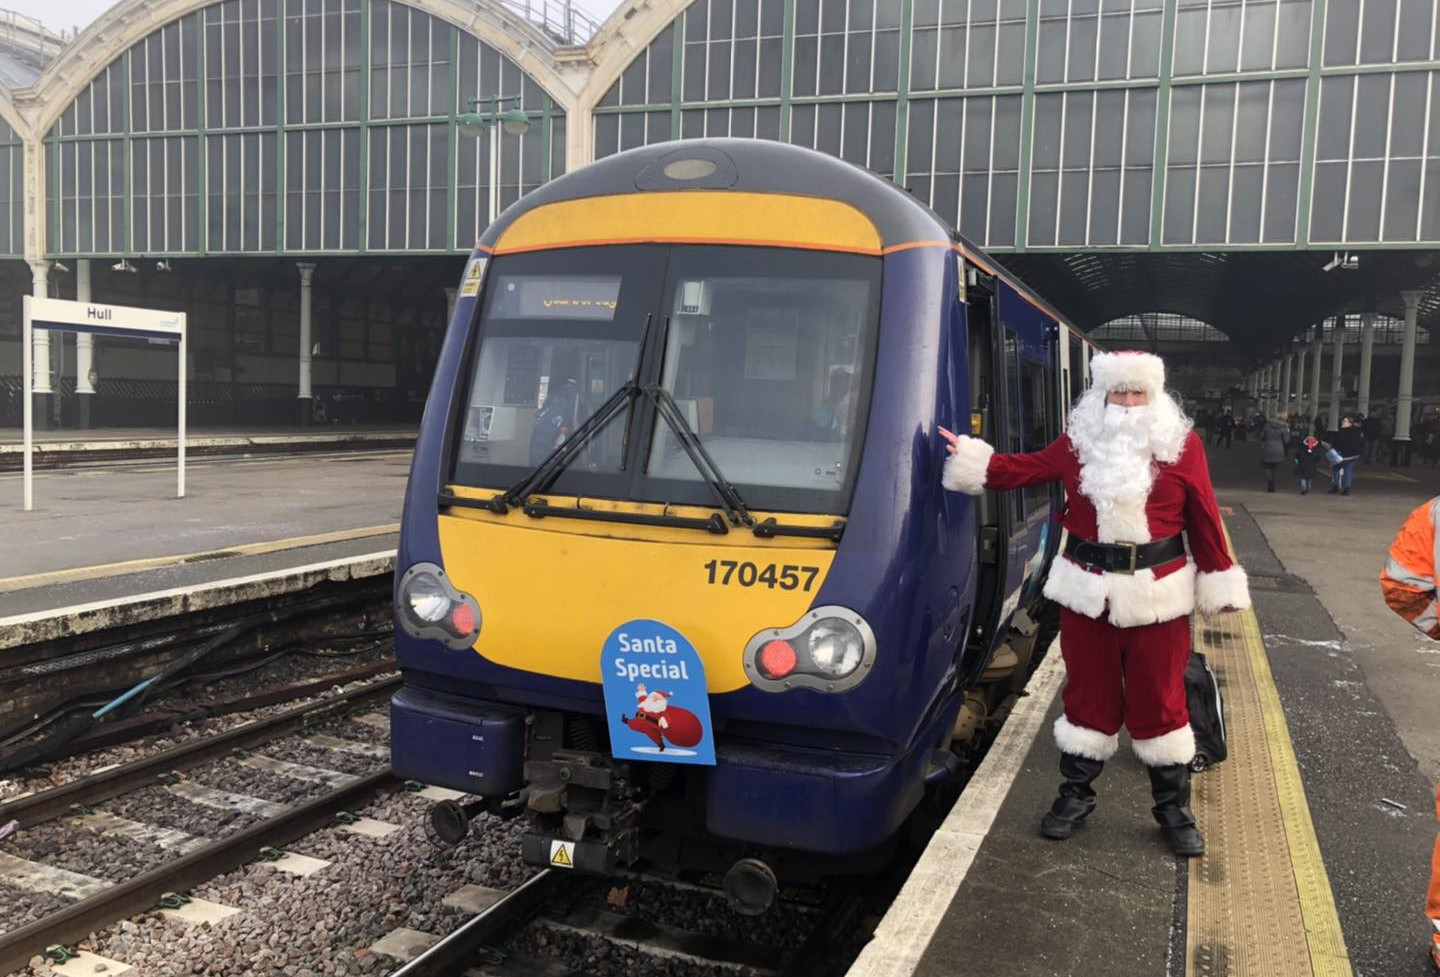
(682, 727)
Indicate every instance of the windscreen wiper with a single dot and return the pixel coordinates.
(726, 493)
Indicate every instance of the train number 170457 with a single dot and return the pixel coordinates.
(746, 574)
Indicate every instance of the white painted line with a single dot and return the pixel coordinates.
(404, 944)
(473, 898)
(905, 933)
(25, 874)
(440, 794)
(300, 771)
(370, 828)
(226, 801)
(301, 865)
(89, 964)
(376, 719)
(20, 629)
(349, 746)
(150, 834)
(197, 912)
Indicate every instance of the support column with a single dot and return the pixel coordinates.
(307, 270)
(40, 345)
(1367, 353)
(1406, 395)
(84, 347)
(1286, 369)
(1300, 379)
(1317, 354)
(1336, 369)
(449, 305)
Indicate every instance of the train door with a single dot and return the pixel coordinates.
(988, 422)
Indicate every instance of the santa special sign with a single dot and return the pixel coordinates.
(655, 697)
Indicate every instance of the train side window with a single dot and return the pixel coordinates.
(1014, 418)
(1039, 424)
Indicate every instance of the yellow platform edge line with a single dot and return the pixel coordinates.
(1319, 918)
(74, 574)
(1321, 921)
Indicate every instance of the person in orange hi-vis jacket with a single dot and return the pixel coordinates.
(1411, 585)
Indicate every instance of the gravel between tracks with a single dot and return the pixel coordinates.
(324, 924)
(64, 771)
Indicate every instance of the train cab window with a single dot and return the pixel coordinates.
(556, 340)
(1039, 413)
(767, 354)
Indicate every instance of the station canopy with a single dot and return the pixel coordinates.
(1260, 300)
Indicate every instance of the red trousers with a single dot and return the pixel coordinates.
(1133, 677)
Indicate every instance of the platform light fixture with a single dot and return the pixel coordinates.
(59, 266)
(513, 120)
(124, 265)
(163, 265)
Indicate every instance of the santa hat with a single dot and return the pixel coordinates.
(1128, 369)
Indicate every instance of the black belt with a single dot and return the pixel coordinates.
(1124, 557)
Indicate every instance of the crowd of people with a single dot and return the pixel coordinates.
(1309, 444)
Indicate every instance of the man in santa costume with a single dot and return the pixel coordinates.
(1135, 479)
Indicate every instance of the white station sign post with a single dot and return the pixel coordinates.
(102, 320)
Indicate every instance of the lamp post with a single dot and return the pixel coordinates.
(475, 124)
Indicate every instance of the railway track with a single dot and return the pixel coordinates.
(196, 858)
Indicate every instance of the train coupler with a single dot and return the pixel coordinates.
(583, 811)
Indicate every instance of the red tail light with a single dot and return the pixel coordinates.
(777, 659)
(463, 619)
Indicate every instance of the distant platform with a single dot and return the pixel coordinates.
(54, 449)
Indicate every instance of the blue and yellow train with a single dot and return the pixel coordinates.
(686, 411)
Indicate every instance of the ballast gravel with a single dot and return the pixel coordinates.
(298, 750)
(72, 768)
(62, 844)
(156, 805)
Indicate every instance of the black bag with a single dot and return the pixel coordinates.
(1207, 713)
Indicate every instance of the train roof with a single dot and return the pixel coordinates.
(760, 166)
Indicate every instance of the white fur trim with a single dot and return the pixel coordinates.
(1167, 749)
(1071, 585)
(1083, 741)
(1140, 599)
(965, 469)
(1222, 589)
(1133, 600)
(1127, 369)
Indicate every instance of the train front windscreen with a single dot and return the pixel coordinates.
(764, 355)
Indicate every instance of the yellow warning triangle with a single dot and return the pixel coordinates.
(561, 857)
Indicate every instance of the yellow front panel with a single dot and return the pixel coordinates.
(694, 216)
(549, 596)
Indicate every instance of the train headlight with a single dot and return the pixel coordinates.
(836, 647)
(830, 649)
(428, 606)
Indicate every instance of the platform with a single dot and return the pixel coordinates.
(105, 532)
(57, 449)
(1319, 825)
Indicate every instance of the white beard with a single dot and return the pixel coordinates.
(1118, 449)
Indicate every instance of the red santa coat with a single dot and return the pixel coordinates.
(1181, 499)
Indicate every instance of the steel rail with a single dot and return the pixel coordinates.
(143, 892)
(105, 784)
(456, 951)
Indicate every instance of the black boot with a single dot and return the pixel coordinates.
(1077, 797)
(1170, 786)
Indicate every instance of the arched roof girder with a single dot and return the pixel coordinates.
(623, 37)
(131, 21)
(12, 115)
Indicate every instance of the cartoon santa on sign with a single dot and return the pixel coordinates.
(661, 722)
(1135, 479)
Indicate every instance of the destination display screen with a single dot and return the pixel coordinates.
(555, 297)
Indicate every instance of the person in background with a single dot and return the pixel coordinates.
(1370, 430)
(1409, 583)
(1307, 460)
(832, 417)
(1274, 436)
(1224, 428)
(1387, 436)
(1349, 444)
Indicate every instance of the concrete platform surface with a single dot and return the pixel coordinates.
(11, 438)
(112, 531)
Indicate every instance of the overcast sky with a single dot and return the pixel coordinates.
(67, 15)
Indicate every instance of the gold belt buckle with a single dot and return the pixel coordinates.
(1134, 556)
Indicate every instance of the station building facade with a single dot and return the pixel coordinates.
(292, 173)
